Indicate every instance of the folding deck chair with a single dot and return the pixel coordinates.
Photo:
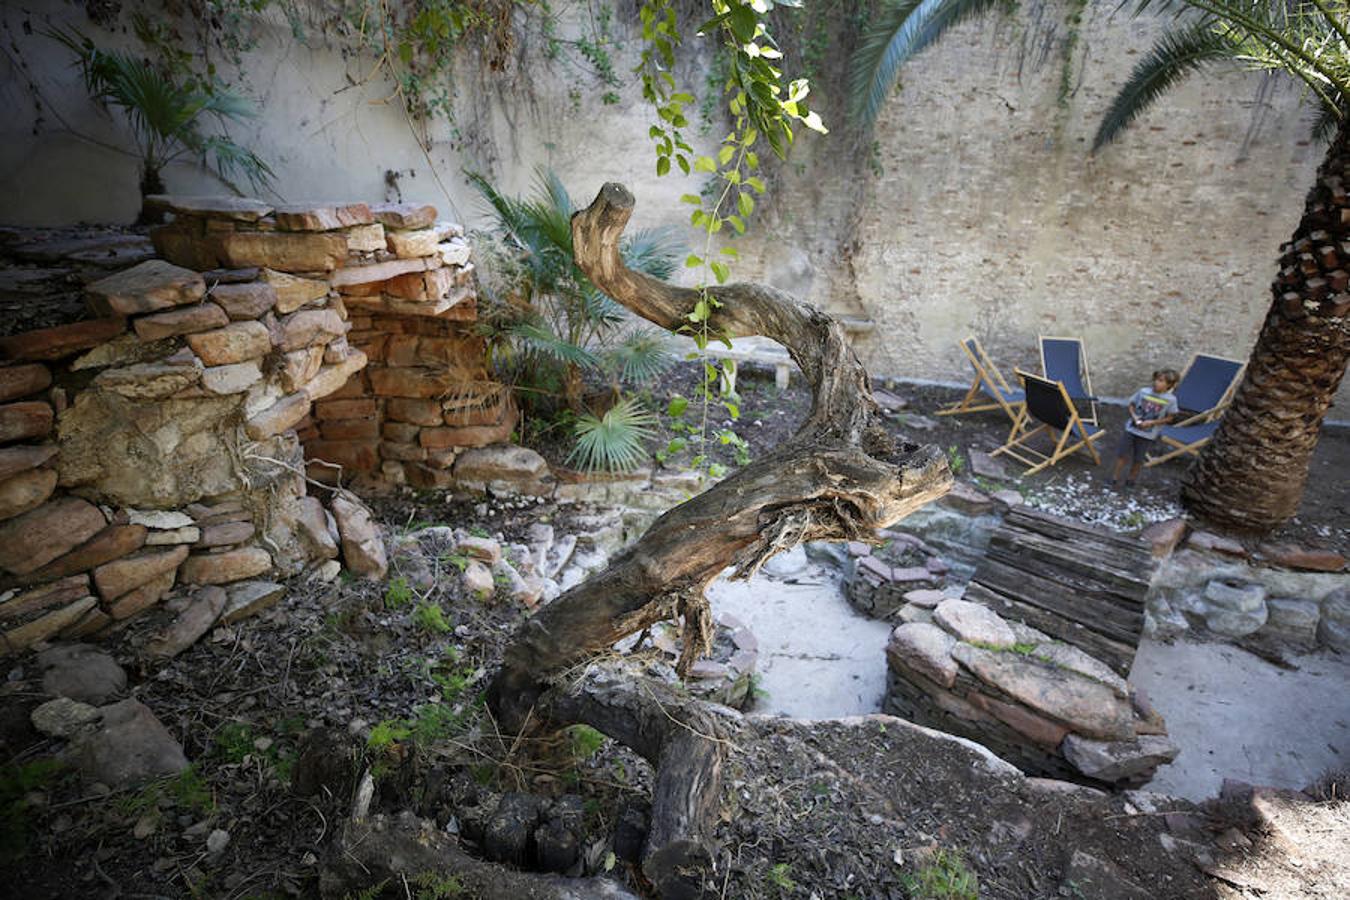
(1204, 391)
(1063, 359)
(990, 382)
(1048, 402)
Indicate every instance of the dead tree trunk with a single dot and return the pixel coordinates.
(841, 476)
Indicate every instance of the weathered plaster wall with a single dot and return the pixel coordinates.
(981, 211)
(992, 219)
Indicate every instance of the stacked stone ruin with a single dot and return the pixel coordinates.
(156, 443)
(1037, 702)
(403, 283)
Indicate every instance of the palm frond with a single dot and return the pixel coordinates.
(598, 308)
(654, 251)
(538, 338)
(227, 105)
(550, 187)
(1178, 53)
(642, 355)
(232, 159)
(612, 442)
(1325, 122)
(902, 29)
(510, 213)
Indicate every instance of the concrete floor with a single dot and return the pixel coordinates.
(1233, 714)
(1236, 716)
(818, 658)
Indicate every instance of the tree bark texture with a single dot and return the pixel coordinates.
(1251, 476)
(841, 476)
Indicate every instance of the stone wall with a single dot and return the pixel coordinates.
(1288, 597)
(1042, 704)
(400, 285)
(150, 448)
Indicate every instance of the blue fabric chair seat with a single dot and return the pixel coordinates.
(1009, 395)
(1189, 434)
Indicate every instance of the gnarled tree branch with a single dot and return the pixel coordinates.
(841, 476)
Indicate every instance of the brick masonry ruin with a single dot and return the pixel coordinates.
(156, 441)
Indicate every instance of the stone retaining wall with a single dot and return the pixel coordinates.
(1042, 704)
(1290, 596)
(154, 443)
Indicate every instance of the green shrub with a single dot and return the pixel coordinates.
(945, 877)
(431, 618)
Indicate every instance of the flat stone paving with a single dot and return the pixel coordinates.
(818, 658)
(1235, 715)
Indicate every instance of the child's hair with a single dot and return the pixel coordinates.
(1168, 375)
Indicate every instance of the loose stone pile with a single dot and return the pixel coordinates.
(408, 283)
(1042, 704)
(881, 581)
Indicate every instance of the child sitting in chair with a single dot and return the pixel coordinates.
(1150, 410)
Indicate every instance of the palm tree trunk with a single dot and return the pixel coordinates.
(151, 183)
(1251, 476)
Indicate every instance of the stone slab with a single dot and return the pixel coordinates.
(1088, 707)
(152, 285)
(61, 341)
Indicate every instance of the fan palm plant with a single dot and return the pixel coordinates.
(557, 330)
(1252, 474)
(168, 112)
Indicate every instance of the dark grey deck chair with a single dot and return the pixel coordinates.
(1049, 404)
(1204, 392)
(1063, 359)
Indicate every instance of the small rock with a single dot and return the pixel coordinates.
(1294, 557)
(129, 747)
(362, 547)
(974, 624)
(145, 826)
(1206, 540)
(477, 579)
(888, 401)
(486, 549)
(919, 423)
(1334, 628)
(217, 841)
(1164, 536)
(201, 613)
(248, 598)
(1234, 610)
(1292, 620)
(81, 672)
(1008, 498)
(1119, 761)
(328, 571)
(925, 649)
(987, 466)
(967, 499)
(63, 717)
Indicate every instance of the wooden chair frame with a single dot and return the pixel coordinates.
(1091, 397)
(1192, 448)
(1075, 427)
(986, 373)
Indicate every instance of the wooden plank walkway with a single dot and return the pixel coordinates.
(1077, 583)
